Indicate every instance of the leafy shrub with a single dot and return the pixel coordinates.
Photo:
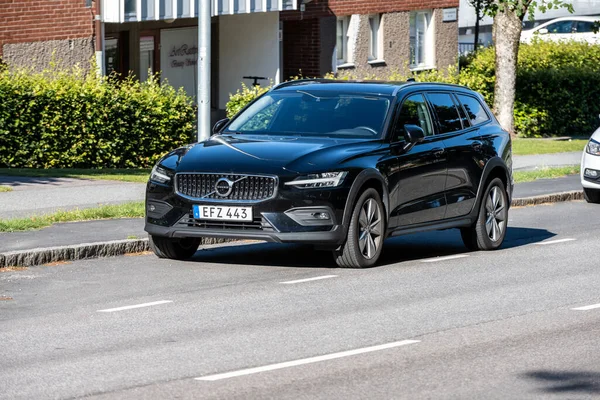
(242, 97)
(68, 119)
(558, 86)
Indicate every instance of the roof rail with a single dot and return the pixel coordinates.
(303, 81)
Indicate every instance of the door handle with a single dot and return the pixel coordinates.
(438, 152)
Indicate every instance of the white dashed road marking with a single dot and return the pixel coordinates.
(436, 259)
(317, 278)
(586, 308)
(556, 241)
(154, 303)
(304, 361)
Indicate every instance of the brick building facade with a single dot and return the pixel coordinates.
(369, 37)
(36, 32)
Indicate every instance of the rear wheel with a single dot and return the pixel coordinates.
(591, 195)
(175, 249)
(489, 230)
(365, 234)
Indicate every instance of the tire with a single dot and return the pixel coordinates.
(365, 234)
(175, 249)
(591, 195)
(489, 230)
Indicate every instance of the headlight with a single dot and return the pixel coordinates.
(323, 180)
(160, 175)
(593, 148)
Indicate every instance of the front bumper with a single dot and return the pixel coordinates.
(590, 161)
(285, 218)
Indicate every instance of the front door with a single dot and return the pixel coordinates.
(421, 169)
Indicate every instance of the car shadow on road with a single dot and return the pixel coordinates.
(396, 250)
(567, 382)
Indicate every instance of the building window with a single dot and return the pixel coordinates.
(375, 38)
(130, 10)
(422, 46)
(342, 40)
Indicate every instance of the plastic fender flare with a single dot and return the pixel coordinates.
(355, 192)
(489, 166)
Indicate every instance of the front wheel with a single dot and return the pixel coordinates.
(591, 195)
(365, 234)
(175, 249)
(489, 230)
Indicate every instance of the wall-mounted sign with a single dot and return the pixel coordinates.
(450, 15)
(179, 57)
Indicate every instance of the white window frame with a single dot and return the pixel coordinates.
(424, 42)
(376, 38)
(342, 54)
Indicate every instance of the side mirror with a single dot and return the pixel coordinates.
(413, 134)
(219, 125)
(542, 31)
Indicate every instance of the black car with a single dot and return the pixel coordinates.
(341, 166)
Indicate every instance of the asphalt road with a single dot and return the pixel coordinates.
(253, 322)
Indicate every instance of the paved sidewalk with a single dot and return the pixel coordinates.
(35, 196)
(536, 161)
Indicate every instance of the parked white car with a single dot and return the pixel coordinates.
(590, 169)
(580, 29)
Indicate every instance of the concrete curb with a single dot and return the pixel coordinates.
(28, 258)
(548, 198)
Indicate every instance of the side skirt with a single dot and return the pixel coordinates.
(461, 222)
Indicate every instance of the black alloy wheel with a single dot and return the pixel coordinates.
(489, 230)
(365, 234)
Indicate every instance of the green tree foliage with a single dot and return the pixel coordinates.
(66, 119)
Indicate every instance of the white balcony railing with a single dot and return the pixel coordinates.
(118, 11)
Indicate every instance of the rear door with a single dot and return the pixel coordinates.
(583, 31)
(464, 148)
(420, 174)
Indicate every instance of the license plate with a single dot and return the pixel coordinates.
(223, 213)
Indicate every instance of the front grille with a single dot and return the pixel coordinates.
(250, 188)
(257, 224)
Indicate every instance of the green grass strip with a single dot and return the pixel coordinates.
(123, 175)
(5, 189)
(545, 173)
(545, 146)
(109, 211)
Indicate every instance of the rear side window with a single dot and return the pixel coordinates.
(584, 27)
(414, 111)
(475, 110)
(445, 109)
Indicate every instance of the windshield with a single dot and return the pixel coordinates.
(316, 113)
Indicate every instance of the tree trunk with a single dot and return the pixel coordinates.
(507, 33)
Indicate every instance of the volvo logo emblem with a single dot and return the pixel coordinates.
(223, 187)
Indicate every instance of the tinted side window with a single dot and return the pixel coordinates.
(475, 110)
(448, 118)
(414, 111)
(584, 27)
(560, 27)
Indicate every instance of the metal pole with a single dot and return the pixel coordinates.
(204, 28)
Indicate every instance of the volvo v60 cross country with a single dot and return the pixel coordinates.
(341, 166)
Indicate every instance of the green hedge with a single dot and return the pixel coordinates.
(72, 120)
(558, 86)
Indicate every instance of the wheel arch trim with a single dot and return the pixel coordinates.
(361, 179)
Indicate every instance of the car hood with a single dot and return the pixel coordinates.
(270, 154)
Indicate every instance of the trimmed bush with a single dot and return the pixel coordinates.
(558, 86)
(68, 119)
